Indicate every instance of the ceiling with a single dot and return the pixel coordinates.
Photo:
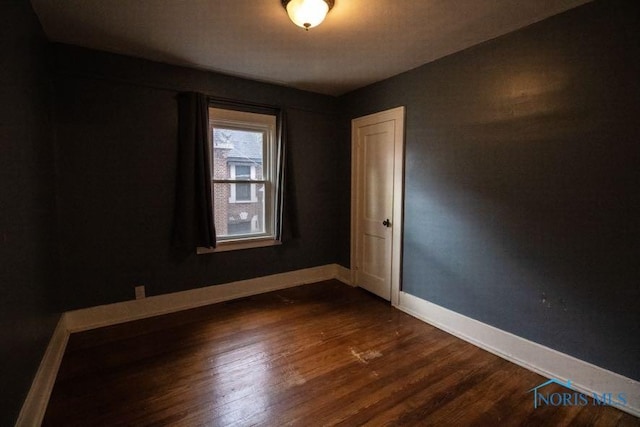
(360, 42)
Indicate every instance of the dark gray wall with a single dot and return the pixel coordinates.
(116, 126)
(522, 202)
(27, 223)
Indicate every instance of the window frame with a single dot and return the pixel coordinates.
(232, 119)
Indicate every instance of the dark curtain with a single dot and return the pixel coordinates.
(280, 172)
(193, 218)
(287, 225)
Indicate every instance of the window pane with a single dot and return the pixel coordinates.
(243, 172)
(237, 146)
(243, 192)
(238, 219)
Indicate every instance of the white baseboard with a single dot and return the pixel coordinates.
(585, 377)
(35, 404)
(343, 274)
(111, 314)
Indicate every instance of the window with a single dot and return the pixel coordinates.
(242, 193)
(244, 163)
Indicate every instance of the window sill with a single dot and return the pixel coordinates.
(238, 245)
(240, 202)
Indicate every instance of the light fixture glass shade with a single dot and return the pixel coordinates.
(307, 13)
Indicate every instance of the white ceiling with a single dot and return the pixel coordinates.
(360, 42)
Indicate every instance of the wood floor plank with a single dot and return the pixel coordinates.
(321, 354)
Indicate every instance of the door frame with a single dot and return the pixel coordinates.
(398, 115)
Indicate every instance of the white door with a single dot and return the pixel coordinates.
(377, 201)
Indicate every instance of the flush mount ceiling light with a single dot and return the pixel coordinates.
(307, 13)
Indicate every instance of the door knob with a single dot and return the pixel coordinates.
(386, 223)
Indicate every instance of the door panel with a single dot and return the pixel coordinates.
(375, 145)
(374, 250)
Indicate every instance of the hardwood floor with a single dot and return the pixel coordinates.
(321, 354)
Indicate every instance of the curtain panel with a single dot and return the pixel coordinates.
(193, 216)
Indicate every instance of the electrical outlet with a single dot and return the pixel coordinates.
(140, 293)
